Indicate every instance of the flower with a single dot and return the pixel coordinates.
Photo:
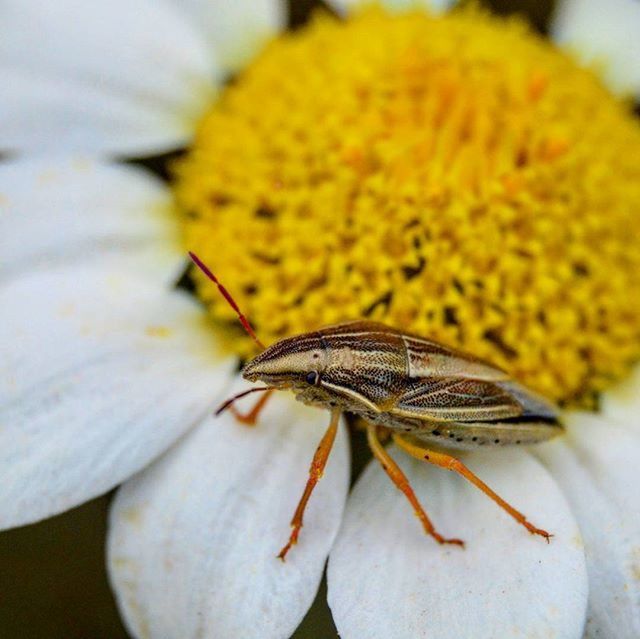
(96, 344)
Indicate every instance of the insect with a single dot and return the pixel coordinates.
(429, 398)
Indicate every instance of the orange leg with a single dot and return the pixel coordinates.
(315, 473)
(400, 480)
(451, 463)
(251, 417)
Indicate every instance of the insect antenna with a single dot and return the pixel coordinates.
(232, 400)
(227, 296)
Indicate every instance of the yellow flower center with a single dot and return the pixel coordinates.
(453, 176)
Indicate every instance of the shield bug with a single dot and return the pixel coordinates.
(429, 398)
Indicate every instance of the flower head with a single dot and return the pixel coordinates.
(443, 180)
(448, 175)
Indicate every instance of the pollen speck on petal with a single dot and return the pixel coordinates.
(87, 396)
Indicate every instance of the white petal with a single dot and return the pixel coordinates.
(193, 540)
(607, 33)
(388, 580)
(67, 211)
(99, 373)
(622, 402)
(238, 29)
(344, 6)
(121, 77)
(598, 468)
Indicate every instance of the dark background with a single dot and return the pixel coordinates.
(53, 582)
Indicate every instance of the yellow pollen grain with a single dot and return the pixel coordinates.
(453, 176)
(158, 331)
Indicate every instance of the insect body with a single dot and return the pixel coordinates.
(406, 383)
(422, 393)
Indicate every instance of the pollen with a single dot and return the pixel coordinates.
(453, 176)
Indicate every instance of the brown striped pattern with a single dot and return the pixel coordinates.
(400, 381)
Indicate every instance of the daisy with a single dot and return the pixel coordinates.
(110, 373)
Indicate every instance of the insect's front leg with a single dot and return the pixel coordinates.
(251, 417)
(315, 473)
(451, 463)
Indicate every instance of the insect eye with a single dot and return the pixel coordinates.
(312, 377)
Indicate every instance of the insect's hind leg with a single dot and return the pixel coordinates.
(400, 480)
(451, 463)
(315, 473)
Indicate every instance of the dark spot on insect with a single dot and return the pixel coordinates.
(436, 433)
(412, 271)
(518, 441)
(426, 457)
(312, 377)
(474, 439)
(408, 430)
(412, 224)
(457, 284)
(450, 317)
(451, 435)
(383, 300)
(495, 338)
(250, 289)
(315, 356)
(459, 439)
(496, 441)
(219, 199)
(265, 212)
(332, 404)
